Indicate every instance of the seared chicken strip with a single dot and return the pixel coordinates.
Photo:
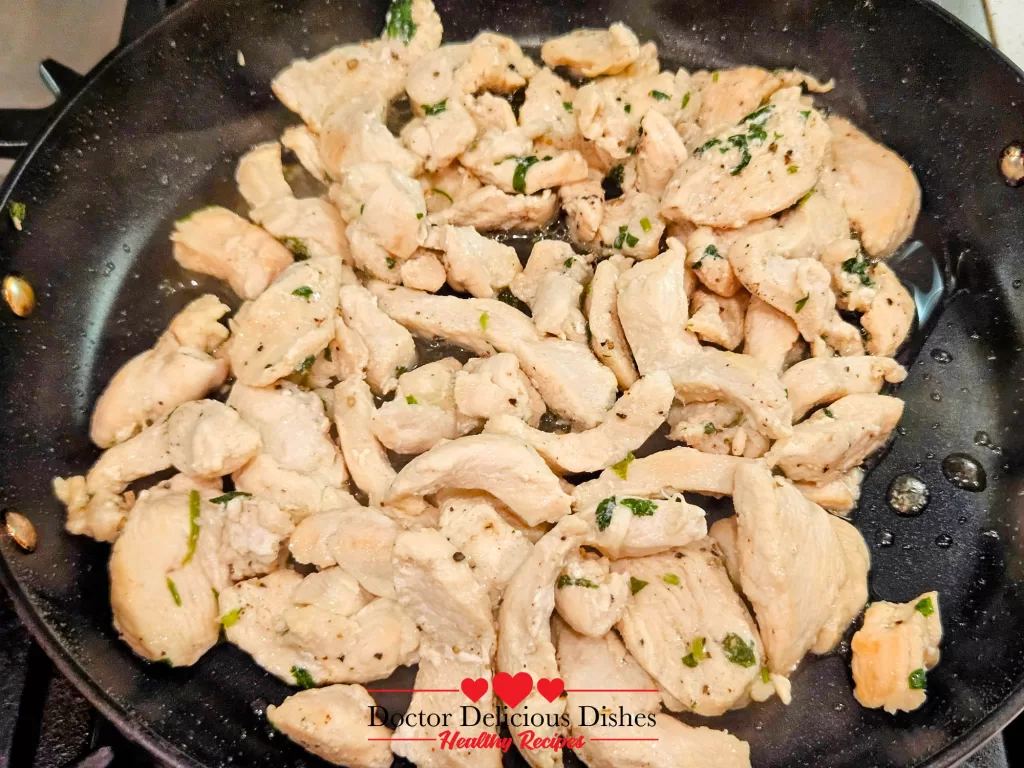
(390, 347)
(488, 387)
(260, 175)
(178, 368)
(583, 203)
(548, 257)
(331, 723)
(593, 52)
(892, 652)
(207, 439)
(306, 146)
(625, 526)
(607, 338)
(544, 102)
(476, 264)
(707, 252)
(219, 243)
(588, 596)
(715, 427)
(364, 455)
(839, 496)
(410, 42)
(890, 316)
(718, 320)
(658, 154)
(635, 417)
(489, 208)
(689, 630)
(822, 380)
(726, 95)
(768, 335)
(853, 592)
(631, 226)
(441, 135)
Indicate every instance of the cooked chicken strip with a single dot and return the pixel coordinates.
(791, 563)
(476, 526)
(583, 203)
(593, 52)
(178, 368)
(305, 144)
(822, 380)
(893, 650)
(409, 42)
(751, 181)
(674, 471)
(391, 348)
(588, 596)
(423, 271)
(820, 221)
(707, 251)
(851, 273)
(491, 112)
(164, 607)
(260, 175)
(442, 188)
(624, 526)
(836, 439)
(219, 243)
(431, 79)
(494, 386)
(548, 257)
(524, 629)
(299, 467)
(315, 88)
(875, 186)
(544, 102)
(316, 636)
(556, 308)
(504, 467)
(891, 314)
(689, 630)
(442, 135)
(715, 427)
(587, 663)
(207, 439)
(653, 310)
(331, 723)
(494, 63)
(571, 381)
(631, 226)
(476, 264)
(310, 227)
(729, 94)
(287, 325)
(489, 209)
(253, 535)
(365, 457)
(607, 338)
(508, 160)
(840, 496)
(768, 335)
(718, 320)
(423, 411)
(738, 379)
(658, 154)
(853, 592)
(635, 417)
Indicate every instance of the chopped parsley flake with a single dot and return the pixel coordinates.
(435, 109)
(738, 651)
(766, 675)
(635, 584)
(859, 266)
(917, 680)
(828, 413)
(398, 23)
(696, 654)
(303, 291)
(801, 302)
(612, 183)
(523, 164)
(604, 513)
(229, 496)
(621, 468)
(166, 661)
(420, 215)
(441, 192)
(628, 108)
(639, 507)
(805, 198)
(706, 146)
(568, 262)
(400, 370)
(671, 578)
(297, 246)
(193, 525)
(565, 580)
(483, 321)
(686, 100)
(759, 115)
(714, 77)
(303, 678)
(411, 400)
(625, 237)
(306, 364)
(645, 224)
(793, 169)
(805, 114)
(229, 618)
(174, 591)
(925, 606)
(567, 106)
(17, 212)
(660, 95)
(390, 262)
(710, 429)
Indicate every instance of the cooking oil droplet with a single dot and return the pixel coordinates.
(908, 495)
(943, 541)
(964, 471)
(1017, 283)
(936, 397)
(981, 438)
(884, 538)
(941, 356)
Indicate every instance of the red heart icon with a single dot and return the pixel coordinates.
(550, 689)
(474, 689)
(512, 689)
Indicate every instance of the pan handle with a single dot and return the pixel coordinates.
(19, 126)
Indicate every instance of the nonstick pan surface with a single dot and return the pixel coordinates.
(156, 132)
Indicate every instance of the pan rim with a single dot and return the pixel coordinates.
(143, 733)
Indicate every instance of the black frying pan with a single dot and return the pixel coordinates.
(156, 132)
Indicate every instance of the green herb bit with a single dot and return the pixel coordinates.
(306, 364)
(760, 115)
(565, 580)
(645, 224)
(604, 513)
(435, 109)
(631, 240)
(390, 261)
(612, 183)
(483, 321)
(671, 578)
(230, 618)
(398, 23)
(859, 266)
(805, 114)
(523, 164)
(400, 370)
(297, 246)
(745, 159)
(635, 584)
(567, 106)
(696, 654)
(801, 302)
(686, 100)
(828, 413)
(710, 429)
(925, 606)
(714, 77)
(165, 660)
(420, 215)
(17, 212)
(328, 355)
(193, 525)
(441, 192)
(738, 651)
(411, 400)
(735, 422)
(628, 108)
(639, 507)
(918, 681)
(766, 675)
(505, 296)
(230, 496)
(660, 95)
(568, 262)
(793, 169)
(303, 678)
(173, 589)
(621, 468)
(303, 291)
(805, 198)
(706, 146)
(362, 208)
